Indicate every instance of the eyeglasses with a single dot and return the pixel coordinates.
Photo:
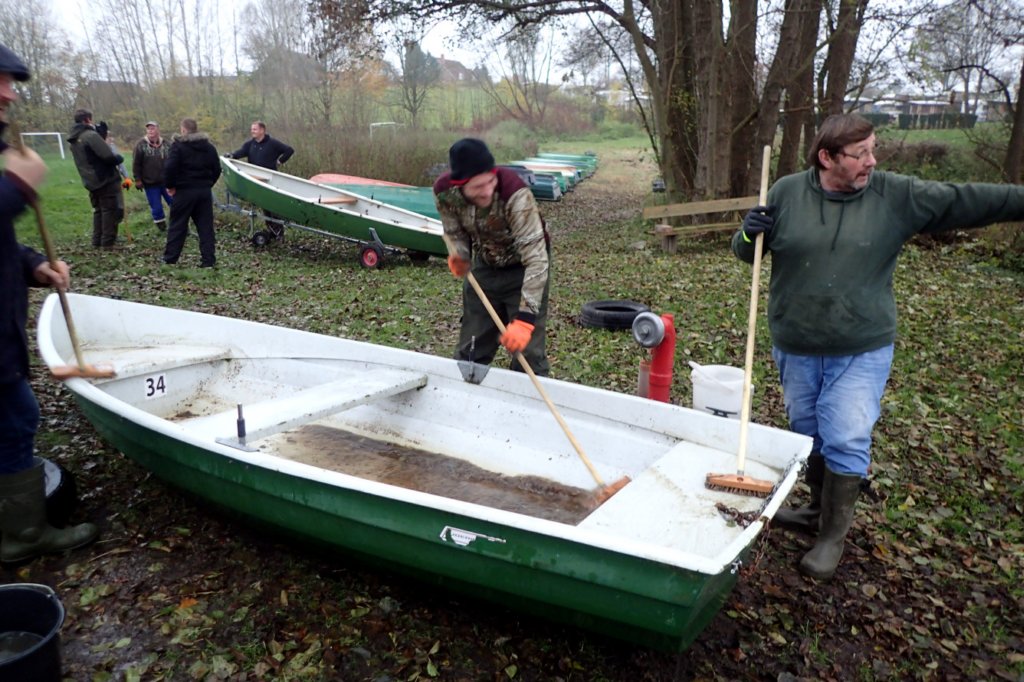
(858, 157)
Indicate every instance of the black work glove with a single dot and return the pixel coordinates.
(102, 129)
(759, 220)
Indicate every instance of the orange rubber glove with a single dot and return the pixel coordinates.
(516, 336)
(458, 266)
(126, 183)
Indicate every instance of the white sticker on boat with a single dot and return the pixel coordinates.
(464, 537)
(155, 386)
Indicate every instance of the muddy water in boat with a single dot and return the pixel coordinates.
(345, 452)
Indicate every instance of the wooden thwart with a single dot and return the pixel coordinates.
(337, 200)
(272, 416)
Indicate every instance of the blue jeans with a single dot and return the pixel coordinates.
(154, 193)
(836, 401)
(19, 420)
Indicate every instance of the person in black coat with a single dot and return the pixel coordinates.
(24, 530)
(263, 150)
(192, 169)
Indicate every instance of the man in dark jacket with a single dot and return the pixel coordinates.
(263, 150)
(834, 233)
(491, 219)
(23, 527)
(191, 170)
(97, 165)
(148, 159)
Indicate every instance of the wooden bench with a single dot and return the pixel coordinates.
(337, 200)
(670, 233)
(272, 416)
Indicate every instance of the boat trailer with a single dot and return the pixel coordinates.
(371, 253)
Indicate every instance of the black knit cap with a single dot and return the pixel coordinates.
(12, 64)
(468, 157)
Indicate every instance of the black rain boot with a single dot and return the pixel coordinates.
(26, 533)
(839, 493)
(805, 518)
(161, 225)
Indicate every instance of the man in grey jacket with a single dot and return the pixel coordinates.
(97, 165)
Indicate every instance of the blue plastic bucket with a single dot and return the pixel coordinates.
(30, 619)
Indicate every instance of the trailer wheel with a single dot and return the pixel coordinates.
(261, 239)
(611, 314)
(371, 256)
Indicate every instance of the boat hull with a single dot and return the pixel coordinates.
(333, 211)
(621, 571)
(542, 576)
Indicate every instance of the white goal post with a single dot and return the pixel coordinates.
(60, 140)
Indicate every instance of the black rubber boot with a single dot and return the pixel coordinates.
(805, 518)
(26, 533)
(839, 493)
(161, 225)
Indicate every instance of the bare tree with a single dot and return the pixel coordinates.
(957, 43)
(420, 73)
(523, 90)
(29, 28)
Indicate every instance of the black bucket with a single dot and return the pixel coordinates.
(30, 620)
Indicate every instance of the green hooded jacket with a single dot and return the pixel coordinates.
(96, 162)
(833, 255)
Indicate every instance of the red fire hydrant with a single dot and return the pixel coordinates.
(658, 333)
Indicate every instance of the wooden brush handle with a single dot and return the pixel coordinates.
(529, 370)
(748, 363)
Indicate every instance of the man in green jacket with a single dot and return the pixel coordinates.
(97, 165)
(834, 232)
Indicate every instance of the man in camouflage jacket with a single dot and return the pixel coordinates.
(494, 227)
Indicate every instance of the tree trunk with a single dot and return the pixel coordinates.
(1015, 147)
(741, 60)
(800, 93)
(842, 46)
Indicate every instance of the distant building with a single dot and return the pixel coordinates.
(454, 72)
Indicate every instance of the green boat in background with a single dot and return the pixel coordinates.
(396, 457)
(378, 227)
(416, 199)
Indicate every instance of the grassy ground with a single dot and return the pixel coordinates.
(930, 587)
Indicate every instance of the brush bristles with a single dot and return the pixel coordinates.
(739, 485)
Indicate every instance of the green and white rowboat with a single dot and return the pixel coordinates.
(390, 455)
(335, 212)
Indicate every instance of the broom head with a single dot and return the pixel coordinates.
(607, 491)
(740, 485)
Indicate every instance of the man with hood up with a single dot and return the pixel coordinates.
(192, 168)
(97, 165)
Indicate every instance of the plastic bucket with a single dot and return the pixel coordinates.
(718, 389)
(30, 620)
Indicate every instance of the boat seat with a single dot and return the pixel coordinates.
(267, 417)
(675, 486)
(337, 200)
(145, 360)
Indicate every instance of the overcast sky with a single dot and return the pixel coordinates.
(69, 16)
